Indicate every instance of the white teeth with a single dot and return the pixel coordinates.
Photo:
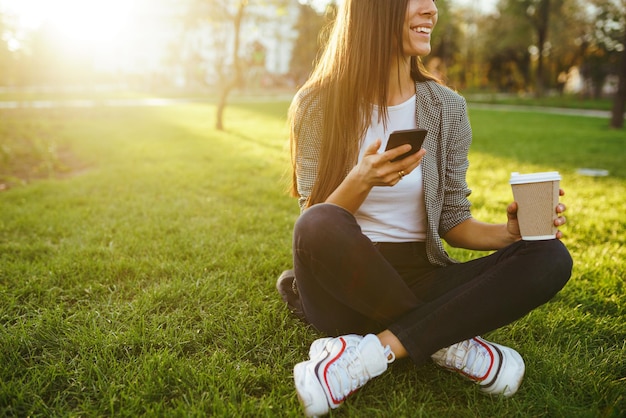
(422, 29)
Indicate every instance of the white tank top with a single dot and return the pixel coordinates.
(397, 213)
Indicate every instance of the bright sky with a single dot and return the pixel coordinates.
(85, 20)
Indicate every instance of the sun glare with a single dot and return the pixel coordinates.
(89, 21)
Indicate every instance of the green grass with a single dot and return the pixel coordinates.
(99, 95)
(60, 94)
(568, 101)
(143, 282)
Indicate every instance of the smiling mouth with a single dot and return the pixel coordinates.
(422, 29)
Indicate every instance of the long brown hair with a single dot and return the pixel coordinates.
(351, 77)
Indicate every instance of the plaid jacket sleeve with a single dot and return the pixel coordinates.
(444, 113)
(307, 128)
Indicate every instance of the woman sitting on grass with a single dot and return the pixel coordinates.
(370, 266)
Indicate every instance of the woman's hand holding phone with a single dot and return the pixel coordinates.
(402, 155)
(375, 169)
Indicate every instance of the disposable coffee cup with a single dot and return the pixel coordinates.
(537, 196)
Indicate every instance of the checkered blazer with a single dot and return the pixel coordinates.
(444, 114)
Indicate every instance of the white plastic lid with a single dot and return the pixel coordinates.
(517, 178)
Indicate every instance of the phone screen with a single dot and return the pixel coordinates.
(415, 137)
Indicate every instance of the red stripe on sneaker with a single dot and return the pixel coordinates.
(491, 355)
(500, 363)
(332, 395)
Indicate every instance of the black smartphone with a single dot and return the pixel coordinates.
(415, 137)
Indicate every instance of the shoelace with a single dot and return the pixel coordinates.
(347, 373)
(471, 358)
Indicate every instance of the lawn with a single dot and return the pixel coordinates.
(568, 101)
(138, 262)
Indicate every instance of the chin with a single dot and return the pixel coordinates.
(419, 53)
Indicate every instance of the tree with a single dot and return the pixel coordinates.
(445, 48)
(310, 27)
(619, 102)
(539, 14)
(528, 43)
(567, 46)
(213, 29)
(505, 40)
(609, 37)
(224, 19)
(227, 79)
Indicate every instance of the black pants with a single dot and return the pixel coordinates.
(347, 284)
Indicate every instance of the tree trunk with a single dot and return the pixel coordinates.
(542, 35)
(234, 80)
(221, 105)
(619, 103)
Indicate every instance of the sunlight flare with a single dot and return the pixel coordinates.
(90, 21)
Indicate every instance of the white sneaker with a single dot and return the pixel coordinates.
(317, 347)
(337, 369)
(497, 369)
